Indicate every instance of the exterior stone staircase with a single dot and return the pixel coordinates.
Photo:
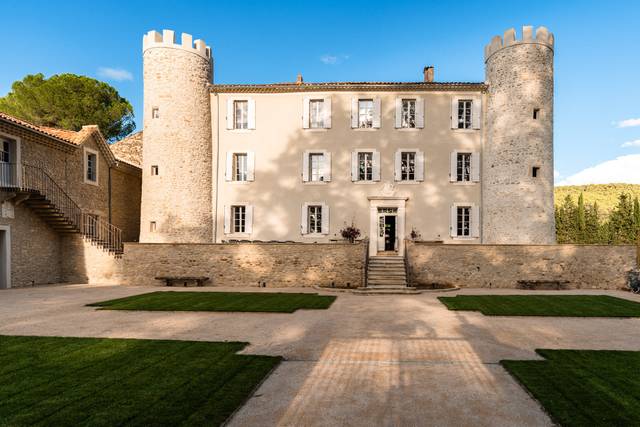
(387, 275)
(33, 187)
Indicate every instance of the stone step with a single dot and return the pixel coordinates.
(386, 268)
(390, 287)
(371, 275)
(386, 261)
(370, 291)
(386, 282)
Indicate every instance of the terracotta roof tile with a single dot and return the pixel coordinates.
(349, 86)
(59, 134)
(129, 149)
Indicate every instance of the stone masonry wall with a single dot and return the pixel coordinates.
(84, 262)
(501, 266)
(35, 248)
(125, 202)
(247, 264)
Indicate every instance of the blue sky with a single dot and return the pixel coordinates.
(597, 62)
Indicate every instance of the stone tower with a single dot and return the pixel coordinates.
(517, 165)
(177, 146)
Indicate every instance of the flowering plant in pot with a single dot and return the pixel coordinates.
(350, 233)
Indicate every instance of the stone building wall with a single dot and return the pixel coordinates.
(248, 264)
(83, 262)
(125, 202)
(501, 266)
(35, 247)
(178, 141)
(517, 207)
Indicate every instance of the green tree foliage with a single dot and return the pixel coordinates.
(606, 195)
(583, 223)
(69, 101)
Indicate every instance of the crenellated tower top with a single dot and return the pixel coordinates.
(542, 37)
(168, 40)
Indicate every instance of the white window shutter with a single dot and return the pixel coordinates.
(354, 166)
(354, 113)
(325, 219)
(227, 219)
(476, 113)
(326, 166)
(305, 112)
(228, 173)
(303, 219)
(230, 114)
(419, 166)
(248, 220)
(251, 165)
(475, 167)
(419, 113)
(453, 221)
(305, 166)
(327, 112)
(453, 167)
(376, 113)
(252, 113)
(398, 113)
(454, 113)
(376, 166)
(475, 221)
(397, 166)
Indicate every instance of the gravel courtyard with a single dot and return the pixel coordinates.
(367, 360)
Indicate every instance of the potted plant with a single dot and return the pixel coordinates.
(350, 233)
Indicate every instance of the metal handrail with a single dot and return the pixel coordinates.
(34, 179)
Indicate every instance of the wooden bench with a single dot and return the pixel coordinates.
(170, 280)
(543, 284)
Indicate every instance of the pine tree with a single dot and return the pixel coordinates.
(621, 221)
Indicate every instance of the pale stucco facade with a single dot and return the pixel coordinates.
(269, 127)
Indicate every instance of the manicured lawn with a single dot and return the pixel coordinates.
(90, 381)
(544, 305)
(219, 301)
(584, 387)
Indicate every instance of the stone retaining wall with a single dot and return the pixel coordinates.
(247, 264)
(501, 266)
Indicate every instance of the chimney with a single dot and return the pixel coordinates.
(428, 74)
(299, 79)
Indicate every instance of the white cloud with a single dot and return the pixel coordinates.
(333, 59)
(629, 123)
(624, 169)
(634, 143)
(556, 174)
(117, 74)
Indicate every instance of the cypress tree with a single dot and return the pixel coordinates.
(581, 222)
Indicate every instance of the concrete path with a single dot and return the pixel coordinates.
(367, 361)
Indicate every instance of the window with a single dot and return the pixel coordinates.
(464, 113)
(91, 166)
(365, 166)
(240, 167)
(535, 171)
(408, 166)
(155, 113)
(5, 151)
(239, 219)
(314, 219)
(536, 113)
(463, 222)
(154, 170)
(152, 226)
(365, 113)
(463, 167)
(316, 161)
(408, 119)
(316, 113)
(241, 114)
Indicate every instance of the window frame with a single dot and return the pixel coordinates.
(241, 222)
(235, 166)
(465, 115)
(460, 173)
(413, 153)
(85, 172)
(469, 217)
(365, 153)
(320, 155)
(318, 231)
(320, 119)
(244, 113)
(403, 116)
(370, 114)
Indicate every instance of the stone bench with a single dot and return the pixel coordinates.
(543, 284)
(170, 280)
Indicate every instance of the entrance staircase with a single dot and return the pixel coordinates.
(33, 187)
(387, 275)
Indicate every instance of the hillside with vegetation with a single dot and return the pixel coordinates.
(605, 195)
(604, 214)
